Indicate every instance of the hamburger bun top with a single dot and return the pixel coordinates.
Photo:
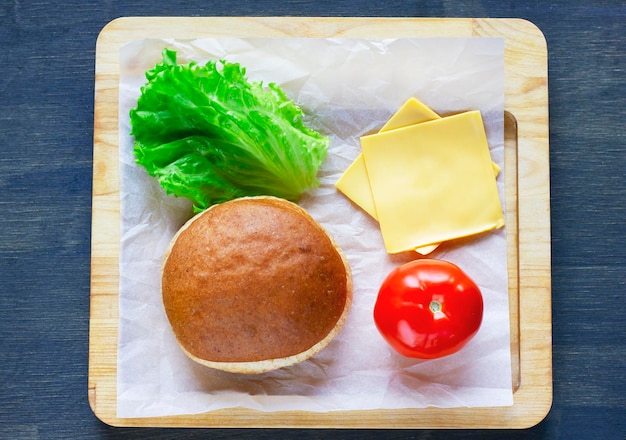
(254, 284)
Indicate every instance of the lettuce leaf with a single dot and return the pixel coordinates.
(208, 134)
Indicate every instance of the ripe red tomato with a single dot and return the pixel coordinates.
(428, 309)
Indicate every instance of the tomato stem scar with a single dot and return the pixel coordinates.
(435, 306)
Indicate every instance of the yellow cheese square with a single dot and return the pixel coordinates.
(432, 182)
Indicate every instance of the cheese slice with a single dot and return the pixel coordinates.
(432, 182)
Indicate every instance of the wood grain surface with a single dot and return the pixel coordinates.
(528, 217)
(47, 71)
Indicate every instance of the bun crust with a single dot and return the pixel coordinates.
(254, 284)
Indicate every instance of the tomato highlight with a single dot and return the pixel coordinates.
(427, 309)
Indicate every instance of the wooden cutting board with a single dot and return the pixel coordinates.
(527, 200)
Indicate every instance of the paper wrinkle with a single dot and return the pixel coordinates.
(347, 88)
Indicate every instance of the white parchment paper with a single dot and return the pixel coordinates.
(347, 87)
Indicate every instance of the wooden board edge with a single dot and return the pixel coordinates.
(526, 96)
(105, 240)
(532, 400)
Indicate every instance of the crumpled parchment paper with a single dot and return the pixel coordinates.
(347, 87)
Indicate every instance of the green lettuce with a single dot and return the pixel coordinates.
(210, 135)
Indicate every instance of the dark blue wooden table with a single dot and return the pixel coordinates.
(47, 54)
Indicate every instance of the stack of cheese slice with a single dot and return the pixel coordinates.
(426, 179)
